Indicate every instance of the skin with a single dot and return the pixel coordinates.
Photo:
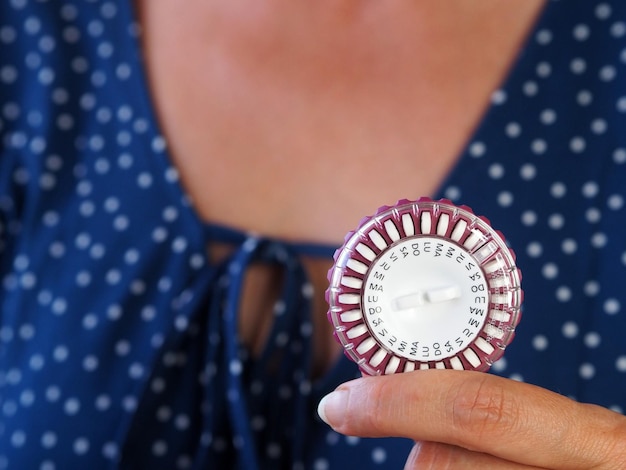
(462, 419)
(293, 106)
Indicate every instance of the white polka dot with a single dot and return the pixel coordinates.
(590, 189)
(144, 180)
(496, 171)
(550, 271)
(97, 251)
(587, 371)
(619, 156)
(6, 334)
(129, 404)
(18, 438)
(500, 365)
(179, 245)
(618, 29)
(581, 32)
(82, 241)
(83, 278)
(513, 130)
(569, 246)
(53, 393)
(164, 414)
(620, 364)
(612, 306)
(578, 65)
(27, 398)
(547, 116)
(592, 339)
(36, 362)
(9, 408)
(182, 422)
(379, 455)
(499, 97)
(123, 71)
(577, 144)
(90, 363)
(81, 446)
(71, 406)
(60, 353)
(599, 240)
(48, 439)
(122, 348)
(563, 294)
(591, 288)
(556, 221)
(558, 190)
(505, 198)
(158, 144)
(136, 371)
(615, 202)
(305, 387)
(528, 171)
(125, 161)
(26, 331)
(274, 451)
(540, 343)
(110, 450)
(51, 218)
(321, 464)
(87, 208)
(170, 214)
(530, 88)
(453, 193)
(544, 36)
(603, 11)
(235, 367)
(607, 73)
(159, 448)
(544, 69)
(477, 149)
(529, 218)
(534, 249)
(584, 98)
(332, 438)
(570, 329)
(593, 215)
(599, 126)
(113, 277)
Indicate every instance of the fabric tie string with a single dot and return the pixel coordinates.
(238, 392)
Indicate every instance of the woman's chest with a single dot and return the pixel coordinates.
(295, 126)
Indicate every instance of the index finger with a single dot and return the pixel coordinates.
(480, 412)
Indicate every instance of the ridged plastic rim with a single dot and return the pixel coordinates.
(407, 220)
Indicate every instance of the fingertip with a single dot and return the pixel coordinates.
(331, 407)
(321, 409)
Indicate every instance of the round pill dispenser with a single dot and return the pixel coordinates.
(424, 285)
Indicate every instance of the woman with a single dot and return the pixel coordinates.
(145, 326)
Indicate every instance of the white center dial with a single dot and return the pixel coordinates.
(425, 298)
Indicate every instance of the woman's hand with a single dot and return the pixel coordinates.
(462, 419)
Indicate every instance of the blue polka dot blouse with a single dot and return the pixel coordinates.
(117, 332)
